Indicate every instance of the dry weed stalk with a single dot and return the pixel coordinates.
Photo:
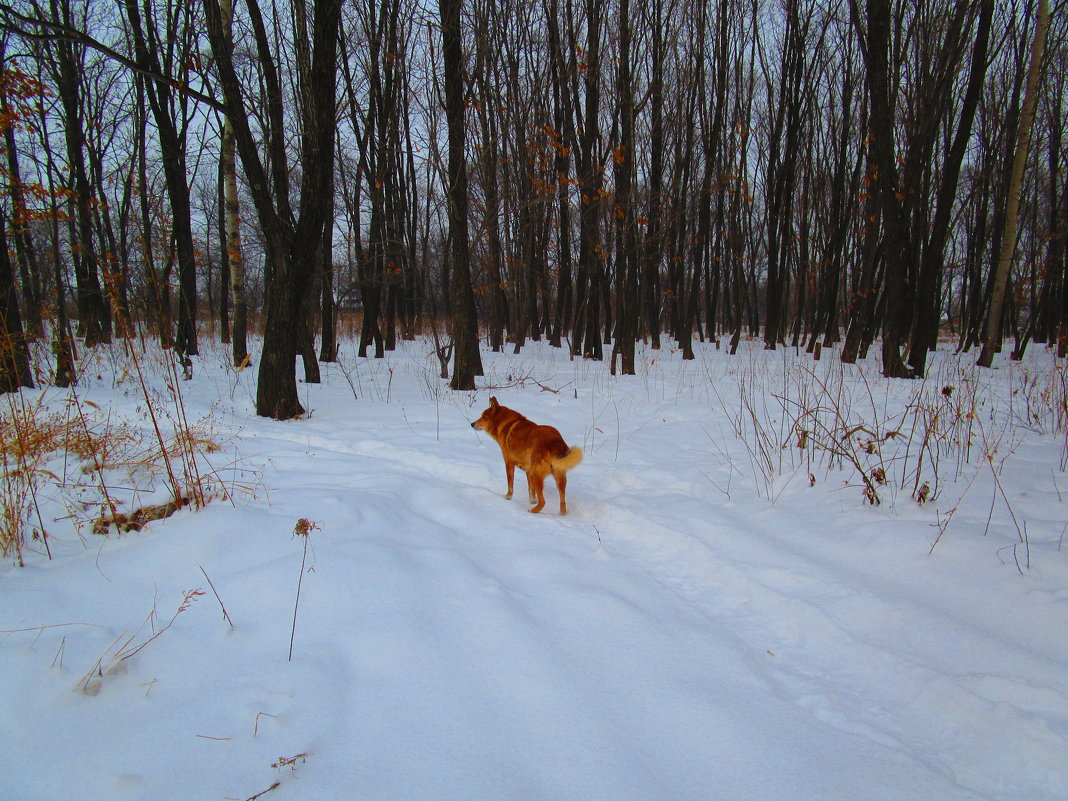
(115, 656)
(256, 726)
(303, 529)
(226, 615)
(182, 440)
(290, 762)
(262, 793)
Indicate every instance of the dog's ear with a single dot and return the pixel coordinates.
(493, 403)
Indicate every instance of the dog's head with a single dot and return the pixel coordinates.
(485, 422)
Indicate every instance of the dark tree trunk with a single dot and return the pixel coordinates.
(25, 252)
(627, 252)
(925, 335)
(896, 251)
(157, 305)
(328, 346)
(562, 145)
(489, 164)
(14, 354)
(62, 341)
(467, 363)
(291, 240)
(653, 251)
(591, 249)
(783, 155)
(94, 321)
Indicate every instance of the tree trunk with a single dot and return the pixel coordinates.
(563, 144)
(290, 240)
(591, 249)
(232, 217)
(25, 252)
(925, 335)
(627, 252)
(328, 346)
(467, 363)
(94, 323)
(161, 100)
(14, 355)
(653, 251)
(992, 337)
(223, 307)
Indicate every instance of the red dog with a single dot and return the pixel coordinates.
(536, 450)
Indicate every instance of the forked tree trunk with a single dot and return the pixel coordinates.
(93, 316)
(290, 239)
(162, 101)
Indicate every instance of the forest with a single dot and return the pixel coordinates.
(848, 175)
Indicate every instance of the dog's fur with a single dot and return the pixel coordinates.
(536, 450)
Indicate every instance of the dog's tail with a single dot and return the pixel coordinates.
(571, 458)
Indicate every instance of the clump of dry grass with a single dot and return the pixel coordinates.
(109, 474)
(28, 435)
(80, 451)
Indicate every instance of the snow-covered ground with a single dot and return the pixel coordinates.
(722, 615)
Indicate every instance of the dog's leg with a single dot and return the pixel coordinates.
(561, 485)
(509, 470)
(536, 483)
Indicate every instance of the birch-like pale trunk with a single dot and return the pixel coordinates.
(992, 337)
(232, 219)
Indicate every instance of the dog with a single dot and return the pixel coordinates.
(534, 449)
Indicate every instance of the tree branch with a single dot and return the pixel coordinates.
(50, 30)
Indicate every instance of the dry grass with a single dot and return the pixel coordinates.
(108, 473)
(82, 453)
(124, 647)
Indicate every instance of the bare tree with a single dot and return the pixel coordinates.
(992, 339)
(467, 363)
(290, 238)
(169, 108)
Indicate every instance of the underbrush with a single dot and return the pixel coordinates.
(58, 449)
(783, 418)
(944, 438)
(891, 437)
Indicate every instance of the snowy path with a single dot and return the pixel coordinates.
(672, 638)
(551, 632)
(652, 586)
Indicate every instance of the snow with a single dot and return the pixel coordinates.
(721, 615)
